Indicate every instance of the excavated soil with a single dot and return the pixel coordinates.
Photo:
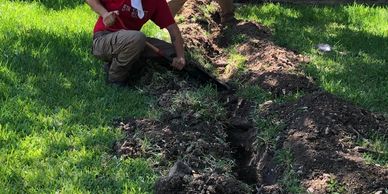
(315, 2)
(211, 143)
(321, 131)
(194, 137)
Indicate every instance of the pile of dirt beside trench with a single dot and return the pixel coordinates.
(212, 144)
(205, 36)
(189, 143)
(321, 132)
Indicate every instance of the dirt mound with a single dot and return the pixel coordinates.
(176, 137)
(183, 138)
(206, 37)
(206, 183)
(276, 69)
(314, 2)
(211, 141)
(280, 83)
(321, 131)
(327, 113)
(182, 129)
(196, 136)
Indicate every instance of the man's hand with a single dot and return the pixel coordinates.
(176, 38)
(109, 18)
(178, 62)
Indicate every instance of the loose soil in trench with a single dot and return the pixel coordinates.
(316, 2)
(209, 142)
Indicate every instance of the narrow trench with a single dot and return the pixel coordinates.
(241, 134)
(242, 153)
(254, 165)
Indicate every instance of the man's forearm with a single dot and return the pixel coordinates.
(97, 7)
(176, 39)
(178, 45)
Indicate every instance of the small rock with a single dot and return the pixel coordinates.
(211, 189)
(167, 130)
(327, 131)
(266, 104)
(326, 176)
(197, 115)
(180, 168)
(310, 190)
(360, 149)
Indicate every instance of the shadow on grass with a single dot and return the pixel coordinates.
(58, 71)
(54, 99)
(57, 4)
(356, 68)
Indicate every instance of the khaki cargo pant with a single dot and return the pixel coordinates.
(123, 49)
(227, 8)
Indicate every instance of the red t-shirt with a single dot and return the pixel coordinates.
(154, 10)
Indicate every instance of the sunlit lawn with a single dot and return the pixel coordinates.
(357, 67)
(56, 111)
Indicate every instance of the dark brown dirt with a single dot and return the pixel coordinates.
(321, 133)
(216, 136)
(280, 83)
(205, 183)
(176, 137)
(250, 40)
(317, 2)
(185, 133)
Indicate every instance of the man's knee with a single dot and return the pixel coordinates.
(139, 39)
(132, 40)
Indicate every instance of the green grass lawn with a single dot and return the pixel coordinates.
(56, 111)
(357, 67)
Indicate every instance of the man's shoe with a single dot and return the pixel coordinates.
(119, 83)
(106, 68)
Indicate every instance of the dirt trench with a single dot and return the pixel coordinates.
(209, 142)
(194, 151)
(320, 130)
(315, 2)
(196, 154)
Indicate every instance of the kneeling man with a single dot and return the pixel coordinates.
(118, 41)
